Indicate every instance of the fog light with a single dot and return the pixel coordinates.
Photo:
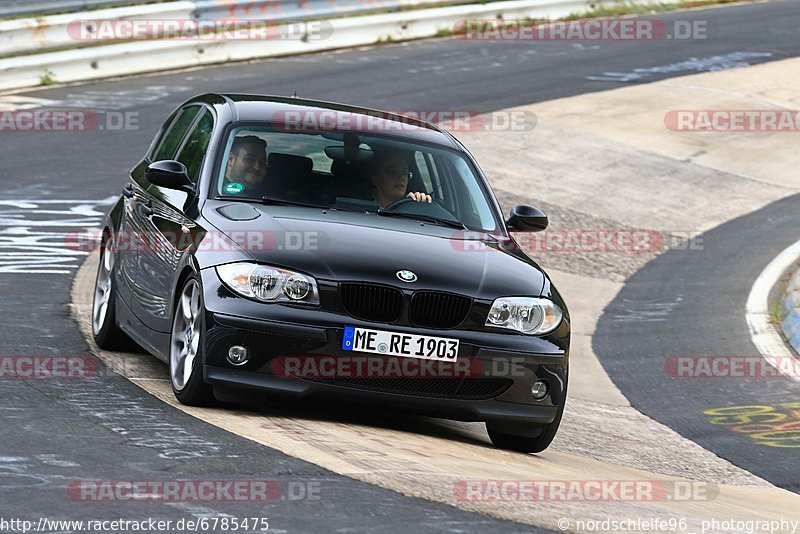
(237, 355)
(540, 389)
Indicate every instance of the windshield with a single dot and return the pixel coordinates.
(361, 172)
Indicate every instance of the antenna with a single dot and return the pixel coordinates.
(294, 94)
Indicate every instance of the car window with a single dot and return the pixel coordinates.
(368, 173)
(194, 149)
(470, 206)
(159, 138)
(177, 130)
(310, 146)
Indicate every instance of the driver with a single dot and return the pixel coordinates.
(389, 172)
(247, 167)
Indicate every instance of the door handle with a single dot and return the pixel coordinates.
(127, 191)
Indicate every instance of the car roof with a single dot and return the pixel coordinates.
(245, 107)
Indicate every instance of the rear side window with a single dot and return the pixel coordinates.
(176, 132)
(194, 150)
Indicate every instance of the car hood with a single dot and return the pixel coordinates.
(343, 246)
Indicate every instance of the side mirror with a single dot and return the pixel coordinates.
(169, 174)
(527, 219)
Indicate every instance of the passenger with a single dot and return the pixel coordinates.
(389, 172)
(246, 171)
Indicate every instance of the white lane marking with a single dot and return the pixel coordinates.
(124, 99)
(15, 473)
(693, 64)
(648, 311)
(40, 236)
(200, 512)
(140, 426)
(765, 336)
(21, 102)
(55, 460)
(34, 203)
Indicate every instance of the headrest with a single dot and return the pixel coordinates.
(351, 180)
(289, 163)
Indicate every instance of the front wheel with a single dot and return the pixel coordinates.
(186, 347)
(529, 439)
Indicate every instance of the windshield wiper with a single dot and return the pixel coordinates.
(282, 202)
(425, 218)
(347, 209)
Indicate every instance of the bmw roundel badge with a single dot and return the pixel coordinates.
(407, 276)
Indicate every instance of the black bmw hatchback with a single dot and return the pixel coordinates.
(279, 247)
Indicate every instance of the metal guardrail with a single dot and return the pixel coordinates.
(295, 10)
(278, 10)
(22, 8)
(45, 50)
(274, 10)
(70, 47)
(61, 32)
(58, 32)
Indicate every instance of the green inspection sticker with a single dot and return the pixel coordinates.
(234, 188)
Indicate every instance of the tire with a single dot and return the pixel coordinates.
(530, 439)
(105, 331)
(186, 347)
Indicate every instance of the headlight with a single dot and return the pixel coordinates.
(269, 284)
(525, 314)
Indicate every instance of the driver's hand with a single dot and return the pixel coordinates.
(420, 197)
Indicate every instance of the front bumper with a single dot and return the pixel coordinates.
(494, 384)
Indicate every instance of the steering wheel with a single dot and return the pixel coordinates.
(434, 208)
(397, 203)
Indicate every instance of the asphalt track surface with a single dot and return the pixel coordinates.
(57, 431)
(675, 307)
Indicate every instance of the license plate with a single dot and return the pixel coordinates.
(396, 344)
